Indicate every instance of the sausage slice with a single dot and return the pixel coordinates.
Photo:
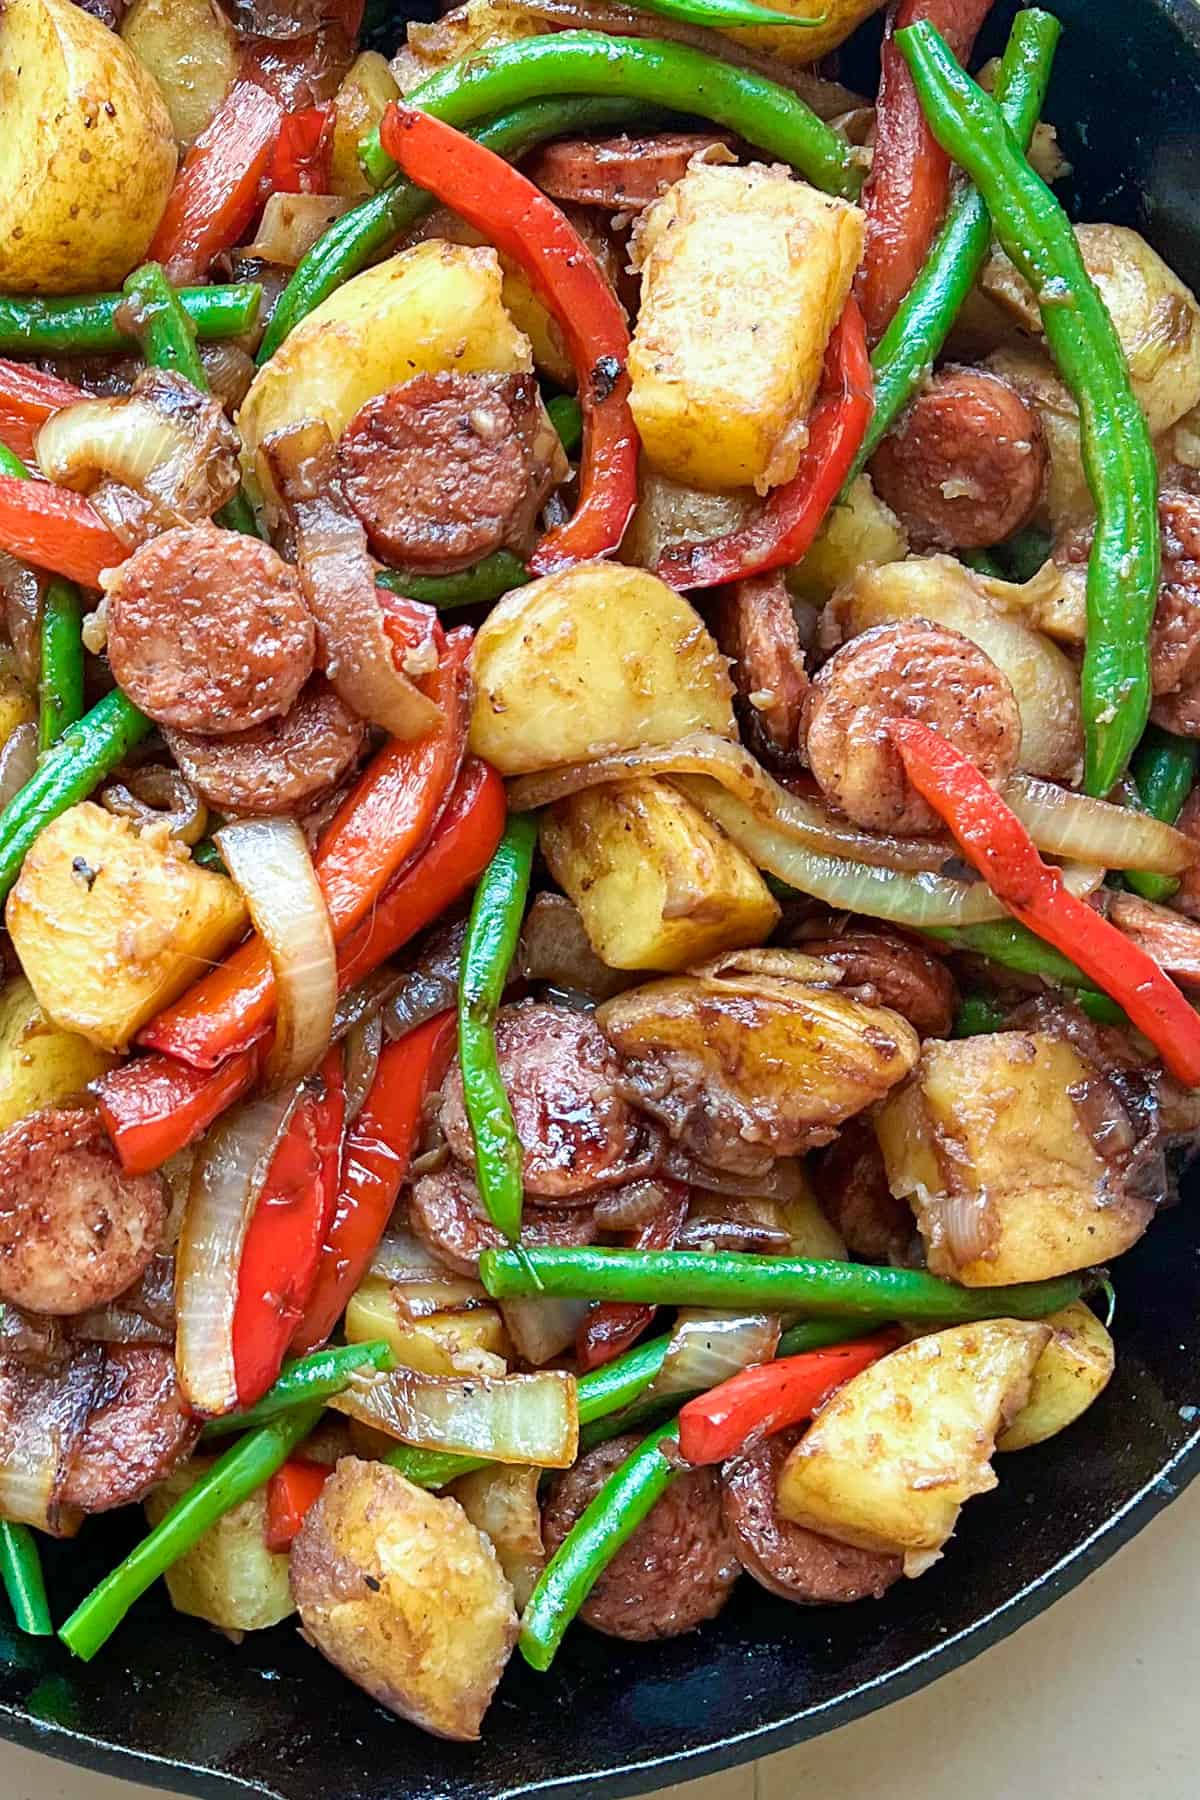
(881, 970)
(282, 766)
(447, 1214)
(138, 1431)
(757, 630)
(620, 174)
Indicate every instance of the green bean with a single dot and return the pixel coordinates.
(490, 945)
(1118, 457)
(85, 753)
(722, 15)
(770, 117)
(240, 1472)
(976, 1016)
(1012, 945)
(770, 1283)
(1024, 552)
(1162, 772)
(60, 683)
(495, 575)
(12, 466)
(566, 416)
(93, 324)
(314, 1377)
(983, 563)
(21, 1567)
(909, 347)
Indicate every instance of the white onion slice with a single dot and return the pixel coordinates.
(44, 1417)
(122, 438)
(508, 1418)
(706, 1348)
(290, 226)
(542, 1329)
(1088, 830)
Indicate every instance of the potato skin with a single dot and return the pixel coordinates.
(403, 1594)
(87, 156)
(1073, 1370)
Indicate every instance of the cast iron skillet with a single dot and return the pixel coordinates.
(171, 1702)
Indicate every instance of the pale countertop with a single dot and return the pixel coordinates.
(1095, 1700)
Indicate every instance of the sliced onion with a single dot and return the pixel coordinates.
(503, 1503)
(44, 1415)
(445, 1293)
(703, 753)
(22, 593)
(290, 226)
(421, 1283)
(1087, 830)
(364, 1041)
(227, 1178)
(506, 1418)
(555, 947)
(18, 760)
(400, 1256)
(706, 1348)
(542, 1329)
(429, 985)
(963, 1223)
(1172, 940)
(718, 1223)
(784, 1181)
(156, 795)
(269, 859)
(630, 1207)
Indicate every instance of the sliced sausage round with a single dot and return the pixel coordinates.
(1175, 633)
(852, 1185)
(447, 468)
(561, 1076)
(75, 1231)
(447, 1214)
(910, 670)
(282, 766)
(787, 1559)
(138, 1431)
(677, 1569)
(208, 630)
(965, 465)
(620, 174)
(881, 970)
(757, 630)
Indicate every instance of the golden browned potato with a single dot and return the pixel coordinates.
(890, 1459)
(191, 50)
(990, 1144)
(1073, 1370)
(228, 1577)
(477, 25)
(802, 44)
(40, 1064)
(503, 1503)
(596, 659)
(812, 1233)
(87, 151)
(657, 885)
(111, 924)
(360, 103)
(473, 1342)
(744, 274)
(16, 703)
(668, 513)
(858, 531)
(405, 1596)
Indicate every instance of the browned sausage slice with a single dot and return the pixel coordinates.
(208, 630)
(910, 670)
(282, 766)
(757, 629)
(1175, 633)
(787, 1559)
(881, 970)
(138, 1431)
(964, 467)
(447, 468)
(74, 1230)
(621, 174)
(677, 1569)
(447, 1214)
(852, 1186)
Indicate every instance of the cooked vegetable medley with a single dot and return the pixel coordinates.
(599, 837)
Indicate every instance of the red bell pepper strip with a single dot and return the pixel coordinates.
(282, 1249)
(27, 399)
(383, 822)
(907, 189)
(292, 1492)
(610, 1328)
(374, 1164)
(760, 1401)
(789, 520)
(995, 842)
(216, 191)
(301, 159)
(515, 216)
(155, 1106)
(57, 530)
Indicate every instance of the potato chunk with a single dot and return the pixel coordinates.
(744, 274)
(473, 1342)
(838, 19)
(657, 885)
(1073, 1370)
(358, 106)
(858, 531)
(596, 659)
(111, 924)
(40, 1064)
(992, 1144)
(888, 1462)
(228, 1577)
(191, 50)
(403, 1594)
(668, 513)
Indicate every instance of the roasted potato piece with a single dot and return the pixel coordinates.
(403, 1594)
(812, 1233)
(668, 513)
(40, 1064)
(451, 1343)
(890, 1459)
(860, 531)
(596, 659)
(805, 45)
(228, 1577)
(503, 1504)
(462, 31)
(657, 885)
(1073, 1370)
(1044, 681)
(88, 151)
(358, 106)
(191, 50)
(16, 704)
(1019, 1158)
(744, 274)
(110, 924)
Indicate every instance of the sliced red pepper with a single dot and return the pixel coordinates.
(906, 192)
(292, 1492)
(614, 1325)
(995, 842)
(784, 529)
(27, 399)
(301, 159)
(155, 1106)
(771, 1396)
(384, 821)
(375, 1163)
(57, 530)
(216, 191)
(515, 216)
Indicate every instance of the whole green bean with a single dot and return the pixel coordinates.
(770, 117)
(983, 563)
(21, 1568)
(240, 1472)
(773, 1283)
(566, 416)
(1025, 551)
(608, 1522)
(60, 682)
(89, 325)
(1012, 945)
(314, 1377)
(488, 950)
(1163, 770)
(906, 352)
(486, 580)
(721, 15)
(1118, 457)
